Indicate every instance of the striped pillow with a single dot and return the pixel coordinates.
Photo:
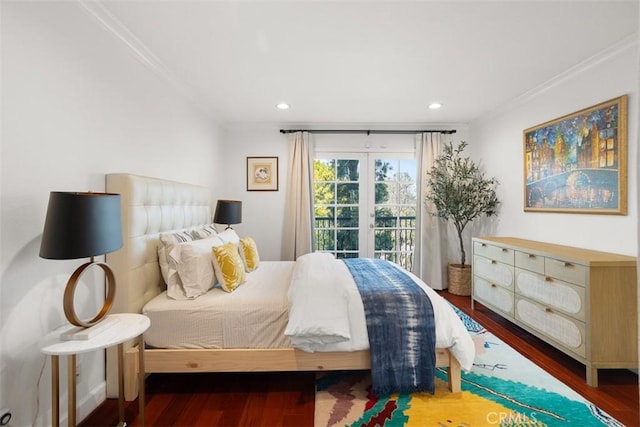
(176, 237)
(228, 267)
(204, 232)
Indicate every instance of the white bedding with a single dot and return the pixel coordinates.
(253, 316)
(312, 304)
(320, 322)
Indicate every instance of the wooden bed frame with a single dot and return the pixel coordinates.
(151, 206)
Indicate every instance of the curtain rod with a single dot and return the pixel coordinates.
(368, 131)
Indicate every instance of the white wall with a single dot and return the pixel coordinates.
(497, 141)
(76, 104)
(262, 211)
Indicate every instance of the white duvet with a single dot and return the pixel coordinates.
(326, 311)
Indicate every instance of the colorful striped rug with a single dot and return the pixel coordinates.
(503, 389)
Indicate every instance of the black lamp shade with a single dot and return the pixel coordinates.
(81, 225)
(228, 212)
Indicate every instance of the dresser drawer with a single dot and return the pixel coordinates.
(581, 301)
(493, 295)
(567, 332)
(493, 252)
(567, 271)
(530, 261)
(553, 293)
(494, 271)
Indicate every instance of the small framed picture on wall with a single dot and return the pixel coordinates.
(262, 174)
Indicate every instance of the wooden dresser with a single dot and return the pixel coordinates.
(582, 302)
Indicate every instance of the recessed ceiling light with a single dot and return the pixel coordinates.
(282, 106)
(434, 105)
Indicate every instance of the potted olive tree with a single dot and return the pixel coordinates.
(460, 193)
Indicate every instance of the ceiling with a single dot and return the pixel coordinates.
(373, 62)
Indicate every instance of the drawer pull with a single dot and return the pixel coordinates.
(568, 264)
(548, 279)
(493, 261)
(548, 310)
(484, 245)
(505, 250)
(531, 255)
(493, 285)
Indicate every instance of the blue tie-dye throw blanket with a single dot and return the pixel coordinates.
(401, 327)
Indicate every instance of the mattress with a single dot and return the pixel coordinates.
(255, 315)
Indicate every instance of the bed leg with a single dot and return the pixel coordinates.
(131, 374)
(454, 374)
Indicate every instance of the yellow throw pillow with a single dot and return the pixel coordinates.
(249, 254)
(228, 266)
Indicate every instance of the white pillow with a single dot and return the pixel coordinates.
(230, 235)
(193, 262)
(166, 241)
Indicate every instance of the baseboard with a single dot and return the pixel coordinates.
(86, 404)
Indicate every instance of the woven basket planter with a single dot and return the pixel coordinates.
(459, 279)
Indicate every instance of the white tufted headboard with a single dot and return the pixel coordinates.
(149, 206)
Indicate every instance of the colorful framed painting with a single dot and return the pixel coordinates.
(262, 174)
(578, 163)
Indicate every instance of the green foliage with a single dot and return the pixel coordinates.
(382, 190)
(459, 190)
(337, 204)
(324, 189)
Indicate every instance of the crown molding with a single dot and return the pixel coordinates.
(142, 53)
(628, 42)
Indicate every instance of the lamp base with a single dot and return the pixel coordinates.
(80, 333)
(69, 291)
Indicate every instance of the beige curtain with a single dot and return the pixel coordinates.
(638, 219)
(298, 215)
(430, 263)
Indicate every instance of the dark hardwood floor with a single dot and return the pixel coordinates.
(287, 399)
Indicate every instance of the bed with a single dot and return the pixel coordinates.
(152, 206)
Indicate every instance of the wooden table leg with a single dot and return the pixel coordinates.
(71, 382)
(55, 391)
(121, 384)
(592, 375)
(141, 380)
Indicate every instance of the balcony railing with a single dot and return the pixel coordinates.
(394, 237)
